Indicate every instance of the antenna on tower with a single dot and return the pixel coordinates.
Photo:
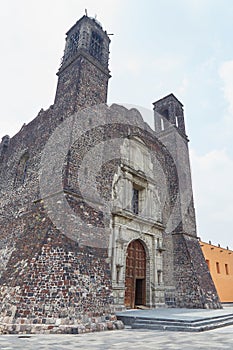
(86, 12)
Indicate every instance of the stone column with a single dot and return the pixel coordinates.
(128, 190)
(118, 265)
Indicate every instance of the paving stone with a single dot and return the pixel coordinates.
(123, 340)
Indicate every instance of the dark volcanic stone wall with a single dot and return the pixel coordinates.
(55, 278)
(194, 286)
(46, 275)
(75, 86)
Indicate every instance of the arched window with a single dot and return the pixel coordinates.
(96, 46)
(21, 170)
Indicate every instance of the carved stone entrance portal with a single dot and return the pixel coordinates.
(135, 275)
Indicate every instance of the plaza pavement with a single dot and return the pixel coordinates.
(217, 339)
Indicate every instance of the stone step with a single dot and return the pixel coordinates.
(177, 324)
(183, 325)
(182, 328)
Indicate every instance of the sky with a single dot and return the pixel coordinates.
(158, 47)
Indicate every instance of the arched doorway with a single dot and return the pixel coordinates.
(135, 275)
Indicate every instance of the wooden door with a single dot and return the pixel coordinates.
(135, 277)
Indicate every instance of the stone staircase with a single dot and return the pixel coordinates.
(180, 325)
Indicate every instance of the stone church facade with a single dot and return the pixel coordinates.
(71, 251)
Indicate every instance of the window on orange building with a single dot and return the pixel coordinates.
(226, 269)
(217, 267)
(208, 264)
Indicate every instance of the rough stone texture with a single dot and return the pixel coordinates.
(83, 75)
(194, 287)
(58, 326)
(59, 276)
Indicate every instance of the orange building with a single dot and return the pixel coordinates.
(220, 264)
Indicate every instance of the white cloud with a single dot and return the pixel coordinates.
(183, 87)
(226, 74)
(197, 5)
(167, 64)
(213, 189)
(133, 65)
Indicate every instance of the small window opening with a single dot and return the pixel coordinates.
(226, 269)
(165, 113)
(159, 274)
(135, 201)
(217, 267)
(162, 124)
(208, 264)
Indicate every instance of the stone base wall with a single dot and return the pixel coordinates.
(49, 278)
(194, 285)
(60, 326)
(170, 297)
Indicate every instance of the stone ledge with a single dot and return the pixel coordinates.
(30, 328)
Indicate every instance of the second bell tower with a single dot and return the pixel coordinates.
(83, 75)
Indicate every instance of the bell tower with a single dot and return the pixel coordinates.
(83, 74)
(183, 257)
(170, 129)
(169, 112)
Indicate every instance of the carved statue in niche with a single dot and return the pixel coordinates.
(118, 190)
(21, 170)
